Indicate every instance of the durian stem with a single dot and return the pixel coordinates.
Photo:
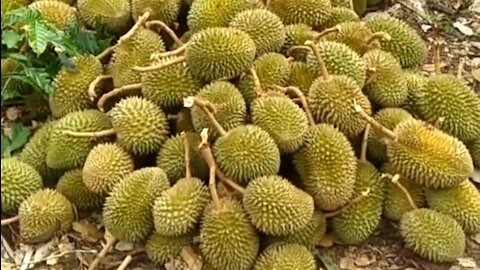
(186, 146)
(207, 154)
(296, 48)
(9, 220)
(357, 199)
(363, 153)
(106, 52)
(125, 262)
(395, 179)
(174, 61)
(208, 108)
(377, 36)
(437, 60)
(93, 84)
(93, 134)
(461, 64)
(303, 101)
(321, 64)
(318, 36)
(257, 86)
(175, 52)
(372, 75)
(165, 28)
(103, 99)
(110, 242)
(376, 125)
(141, 21)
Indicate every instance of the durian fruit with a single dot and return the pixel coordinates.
(166, 11)
(339, 59)
(67, 152)
(404, 43)
(432, 235)
(161, 249)
(341, 15)
(228, 239)
(111, 15)
(8, 5)
(9, 84)
(358, 222)
(19, 180)
(461, 202)
(246, 152)
(296, 35)
(132, 52)
(44, 214)
(72, 187)
(390, 118)
(231, 110)
(342, 3)
(205, 14)
(326, 164)
(310, 12)
(360, 6)
(284, 256)
(127, 212)
(276, 207)
(264, 27)
(70, 87)
(474, 149)
(301, 76)
(55, 12)
(105, 166)
(415, 80)
(183, 121)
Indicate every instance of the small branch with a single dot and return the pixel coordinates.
(372, 75)
(461, 64)
(357, 199)
(90, 134)
(390, 134)
(106, 52)
(165, 28)
(141, 21)
(174, 61)
(229, 182)
(318, 36)
(321, 63)
(62, 254)
(175, 52)
(208, 108)
(103, 99)
(10, 220)
(303, 101)
(437, 58)
(395, 180)
(125, 262)
(91, 88)
(257, 88)
(9, 250)
(363, 153)
(206, 152)
(296, 48)
(110, 242)
(186, 146)
(377, 36)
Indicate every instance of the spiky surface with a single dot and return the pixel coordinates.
(474, 149)
(70, 88)
(283, 119)
(111, 15)
(135, 51)
(165, 11)
(405, 44)
(461, 202)
(171, 157)
(264, 27)
(331, 102)
(428, 156)
(8, 5)
(246, 152)
(339, 59)
(168, 87)
(415, 81)
(230, 105)
(44, 214)
(19, 180)
(389, 118)
(361, 220)
(296, 34)
(72, 187)
(432, 235)
(219, 52)
(355, 35)
(229, 241)
(450, 104)
(161, 249)
(179, 209)
(311, 12)
(341, 15)
(271, 68)
(276, 207)
(205, 14)
(341, 3)
(127, 212)
(105, 166)
(326, 164)
(301, 76)
(141, 126)
(69, 152)
(55, 12)
(285, 257)
(396, 203)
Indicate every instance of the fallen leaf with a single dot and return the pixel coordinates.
(124, 246)
(328, 262)
(191, 258)
(467, 31)
(476, 74)
(364, 260)
(467, 262)
(327, 241)
(44, 250)
(347, 263)
(89, 232)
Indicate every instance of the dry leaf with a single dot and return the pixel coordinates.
(476, 74)
(476, 238)
(467, 262)
(365, 260)
(89, 232)
(467, 31)
(124, 246)
(347, 263)
(44, 250)
(327, 241)
(191, 258)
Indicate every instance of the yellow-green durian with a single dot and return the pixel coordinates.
(296, 35)
(161, 249)
(55, 12)
(415, 82)
(311, 12)
(355, 35)
(166, 11)
(341, 15)
(284, 256)
(474, 149)
(9, 5)
(111, 15)
(301, 76)
(72, 187)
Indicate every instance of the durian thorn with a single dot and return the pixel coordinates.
(103, 99)
(140, 22)
(377, 36)
(363, 153)
(125, 262)
(257, 86)
(376, 125)
(106, 52)
(110, 242)
(175, 52)
(208, 108)
(186, 147)
(165, 28)
(303, 101)
(93, 85)
(437, 60)
(355, 200)
(461, 64)
(318, 36)
(9, 220)
(321, 64)
(174, 61)
(395, 179)
(296, 48)
(207, 155)
(90, 134)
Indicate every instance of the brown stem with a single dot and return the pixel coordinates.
(106, 52)
(208, 108)
(357, 199)
(141, 21)
(257, 86)
(437, 57)
(165, 28)
(103, 99)
(377, 36)
(363, 153)
(186, 146)
(206, 152)
(318, 36)
(174, 61)
(90, 134)
(93, 84)
(125, 262)
(110, 242)
(9, 220)
(321, 63)
(303, 101)
(461, 64)
(175, 52)
(390, 134)
(395, 180)
(372, 75)
(296, 48)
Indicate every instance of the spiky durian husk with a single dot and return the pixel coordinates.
(415, 82)
(296, 34)
(341, 15)
(474, 149)
(72, 187)
(283, 256)
(355, 35)
(311, 12)
(57, 13)
(301, 76)
(165, 11)
(161, 249)
(113, 16)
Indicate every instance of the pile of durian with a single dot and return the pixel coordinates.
(263, 128)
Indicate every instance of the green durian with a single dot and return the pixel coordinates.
(9, 5)
(113, 16)
(72, 187)
(310, 12)
(341, 15)
(57, 13)
(285, 257)
(415, 81)
(301, 76)
(296, 35)
(166, 11)
(474, 149)
(161, 249)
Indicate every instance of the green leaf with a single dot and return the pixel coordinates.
(20, 135)
(20, 15)
(9, 92)
(17, 56)
(5, 146)
(11, 38)
(38, 36)
(86, 42)
(328, 262)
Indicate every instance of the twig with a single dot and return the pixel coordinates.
(208, 108)
(302, 99)
(186, 146)
(9, 250)
(321, 63)
(357, 199)
(90, 134)
(165, 28)
(377, 36)
(318, 36)
(141, 20)
(395, 180)
(437, 58)
(174, 61)
(296, 48)
(374, 123)
(175, 52)
(110, 242)
(9, 220)
(363, 153)
(461, 64)
(93, 84)
(206, 152)
(106, 52)
(257, 86)
(62, 254)
(103, 99)
(125, 262)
